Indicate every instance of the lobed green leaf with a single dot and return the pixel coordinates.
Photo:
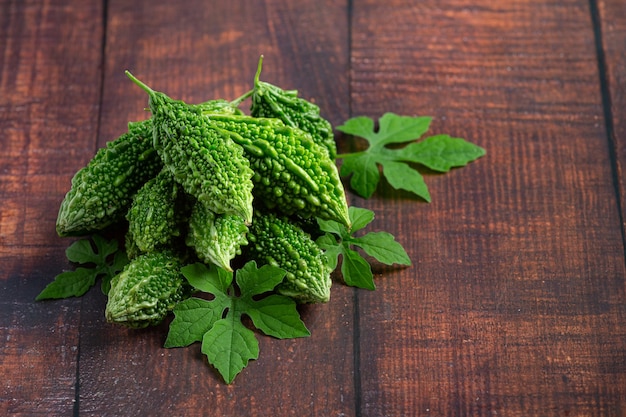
(229, 346)
(253, 280)
(193, 317)
(364, 170)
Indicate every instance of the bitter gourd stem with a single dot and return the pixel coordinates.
(257, 76)
(139, 83)
(236, 102)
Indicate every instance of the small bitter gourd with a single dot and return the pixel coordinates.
(146, 290)
(291, 172)
(269, 100)
(216, 238)
(157, 214)
(206, 162)
(277, 241)
(101, 192)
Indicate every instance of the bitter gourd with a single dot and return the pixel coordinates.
(216, 238)
(269, 100)
(291, 172)
(101, 192)
(279, 242)
(206, 162)
(157, 214)
(221, 106)
(146, 290)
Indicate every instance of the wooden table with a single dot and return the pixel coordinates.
(515, 304)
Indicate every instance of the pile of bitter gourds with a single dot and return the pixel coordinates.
(206, 182)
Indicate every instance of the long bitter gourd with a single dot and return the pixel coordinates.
(205, 161)
(101, 192)
(291, 172)
(279, 242)
(269, 100)
(157, 214)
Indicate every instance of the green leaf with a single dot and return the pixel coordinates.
(210, 279)
(402, 177)
(253, 280)
(364, 170)
(69, 284)
(120, 259)
(331, 250)
(356, 271)
(193, 317)
(226, 342)
(331, 225)
(229, 346)
(439, 153)
(76, 283)
(81, 252)
(360, 126)
(397, 129)
(276, 316)
(360, 218)
(383, 247)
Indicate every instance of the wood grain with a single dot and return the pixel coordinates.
(612, 34)
(516, 303)
(195, 53)
(49, 95)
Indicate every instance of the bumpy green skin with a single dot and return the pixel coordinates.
(146, 290)
(291, 172)
(157, 214)
(101, 192)
(220, 106)
(207, 163)
(271, 101)
(279, 242)
(216, 238)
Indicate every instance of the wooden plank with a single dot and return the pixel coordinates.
(515, 305)
(196, 52)
(49, 95)
(612, 32)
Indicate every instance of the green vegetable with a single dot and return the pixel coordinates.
(156, 214)
(291, 172)
(271, 101)
(101, 192)
(279, 242)
(185, 181)
(439, 153)
(206, 162)
(226, 341)
(146, 290)
(216, 238)
(104, 259)
(220, 106)
(355, 269)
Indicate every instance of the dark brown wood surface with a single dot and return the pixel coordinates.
(515, 304)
